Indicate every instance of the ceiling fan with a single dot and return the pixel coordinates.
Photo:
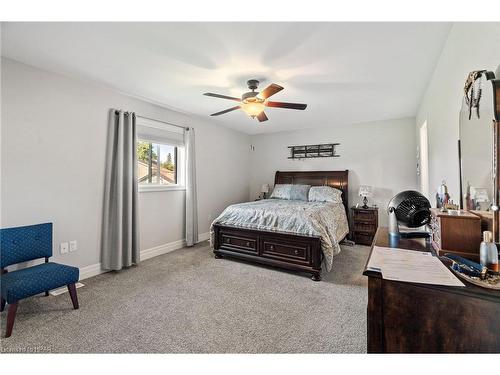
(254, 103)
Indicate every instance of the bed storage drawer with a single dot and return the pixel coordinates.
(239, 243)
(289, 251)
(285, 250)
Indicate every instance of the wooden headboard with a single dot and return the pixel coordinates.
(336, 179)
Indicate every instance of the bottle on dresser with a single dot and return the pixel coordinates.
(488, 253)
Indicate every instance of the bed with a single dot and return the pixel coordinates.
(307, 237)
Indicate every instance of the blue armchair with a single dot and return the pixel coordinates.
(22, 244)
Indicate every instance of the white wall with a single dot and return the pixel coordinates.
(53, 156)
(470, 46)
(381, 154)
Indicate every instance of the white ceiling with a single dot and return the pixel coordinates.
(347, 73)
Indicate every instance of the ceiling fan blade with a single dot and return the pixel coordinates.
(222, 96)
(287, 105)
(225, 111)
(262, 117)
(270, 91)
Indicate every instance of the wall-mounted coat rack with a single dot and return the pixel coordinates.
(326, 150)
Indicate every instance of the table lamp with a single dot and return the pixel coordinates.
(264, 190)
(479, 198)
(365, 191)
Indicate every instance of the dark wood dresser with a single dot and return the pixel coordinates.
(421, 318)
(486, 220)
(364, 224)
(457, 234)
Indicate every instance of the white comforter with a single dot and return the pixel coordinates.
(326, 220)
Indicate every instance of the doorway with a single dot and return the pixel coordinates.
(424, 160)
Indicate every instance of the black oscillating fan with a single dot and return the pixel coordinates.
(409, 208)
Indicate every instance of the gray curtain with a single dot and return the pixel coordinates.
(120, 232)
(191, 202)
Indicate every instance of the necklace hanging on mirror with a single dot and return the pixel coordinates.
(473, 91)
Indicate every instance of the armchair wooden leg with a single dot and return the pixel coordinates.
(46, 293)
(11, 316)
(2, 306)
(74, 297)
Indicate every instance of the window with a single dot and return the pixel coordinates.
(160, 157)
(156, 163)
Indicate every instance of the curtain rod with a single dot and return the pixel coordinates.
(164, 122)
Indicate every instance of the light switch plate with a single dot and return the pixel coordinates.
(72, 245)
(64, 247)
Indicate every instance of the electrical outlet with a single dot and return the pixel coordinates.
(72, 245)
(63, 247)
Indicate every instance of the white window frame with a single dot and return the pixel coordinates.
(180, 168)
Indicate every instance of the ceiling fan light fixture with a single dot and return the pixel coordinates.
(253, 108)
(253, 103)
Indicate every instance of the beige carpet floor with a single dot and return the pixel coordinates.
(188, 302)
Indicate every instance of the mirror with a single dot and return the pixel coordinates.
(478, 151)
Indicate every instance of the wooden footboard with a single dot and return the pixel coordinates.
(285, 250)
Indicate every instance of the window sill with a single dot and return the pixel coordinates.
(151, 188)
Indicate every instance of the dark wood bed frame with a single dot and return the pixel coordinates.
(294, 252)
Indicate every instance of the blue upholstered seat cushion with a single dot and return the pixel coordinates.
(29, 281)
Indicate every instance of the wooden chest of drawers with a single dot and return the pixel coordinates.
(364, 224)
(458, 234)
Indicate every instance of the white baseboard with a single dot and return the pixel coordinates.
(95, 269)
(56, 292)
(90, 271)
(203, 236)
(162, 249)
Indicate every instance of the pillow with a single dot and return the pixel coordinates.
(325, 194)
(290, 192)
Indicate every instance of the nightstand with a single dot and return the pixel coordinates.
(364, 224)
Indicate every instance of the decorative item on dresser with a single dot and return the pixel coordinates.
(405, 317)
(364, 224)
(287, 250)
(457, 232)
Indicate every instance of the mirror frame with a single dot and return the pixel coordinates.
(496, 149)
(490, 76)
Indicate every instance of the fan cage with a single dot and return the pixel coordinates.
(412, 209)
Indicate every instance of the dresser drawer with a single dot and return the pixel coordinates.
(368, 215)
(300, 253)
(363, 238)
(244, 244)
(365, 227)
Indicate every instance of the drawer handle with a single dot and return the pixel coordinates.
(248, 243)
(271, 247)
(296, 252)
(228, 240)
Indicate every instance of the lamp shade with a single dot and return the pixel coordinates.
(479, 194)
(264, 188)
(365, 191)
